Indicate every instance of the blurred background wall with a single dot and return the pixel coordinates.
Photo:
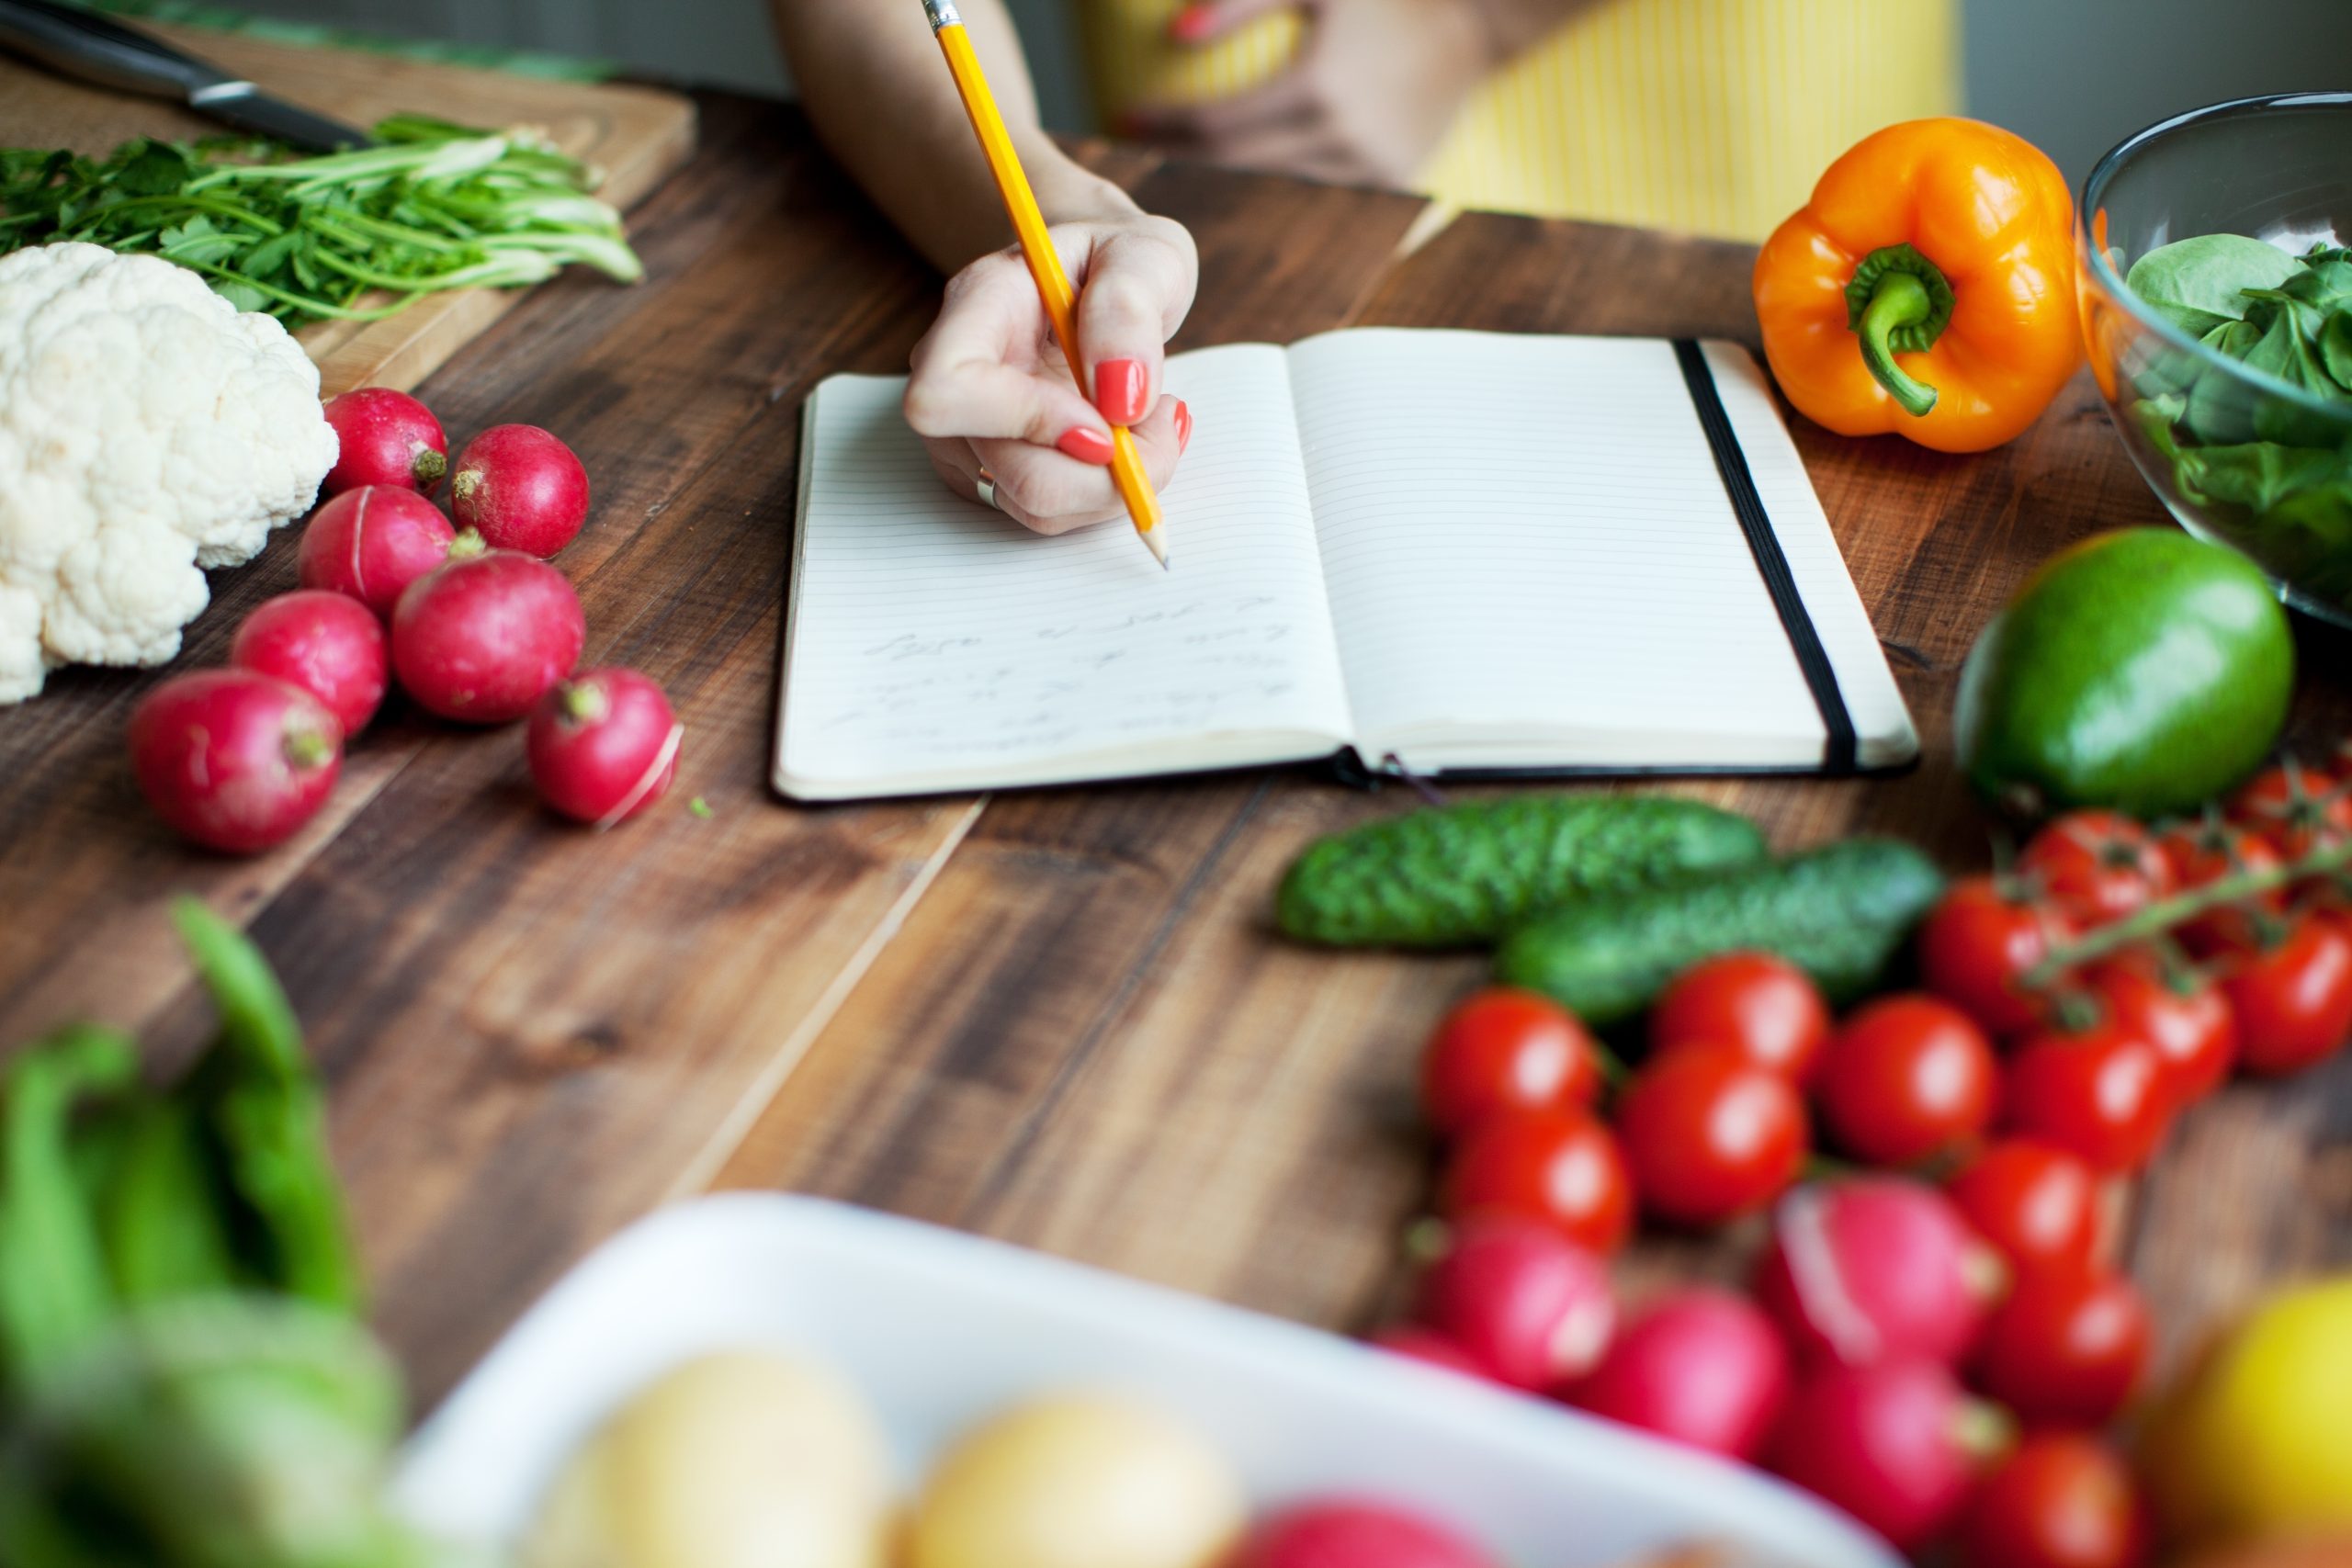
(2074, 77)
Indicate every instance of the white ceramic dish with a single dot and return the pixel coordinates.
(941, 1329)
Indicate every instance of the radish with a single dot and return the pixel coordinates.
(233, 759)
(1896, 1444)
(1429, 1348)
(482, 637)
(372, 542)
(1345, 1532)
(521, 488)
(1532, 1309)
(388, 438)
(603, 746)
(325, 643)
(1876, 1268)
(1704, 1367)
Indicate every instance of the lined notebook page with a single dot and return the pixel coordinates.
(935, 644)
(1532, 560)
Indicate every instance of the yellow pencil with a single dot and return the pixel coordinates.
(1037, 246)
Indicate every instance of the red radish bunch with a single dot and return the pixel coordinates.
(233, 759)
(325, 643)
(238, 758)
(482, 638)
(520, 489)
(1354, 1533)
(1529, 1309)
(1876, 1269)
(1896, 1444)
(369, 544)
(604, 745)
(1704, 1367)
(388, 438)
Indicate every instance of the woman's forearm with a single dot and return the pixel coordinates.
(872, 82)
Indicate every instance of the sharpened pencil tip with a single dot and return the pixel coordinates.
(1156, 544)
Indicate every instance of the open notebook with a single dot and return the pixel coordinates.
(1448, 552)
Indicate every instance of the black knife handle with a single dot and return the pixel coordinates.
(101, 49)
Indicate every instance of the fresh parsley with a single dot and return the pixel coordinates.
(354, 235)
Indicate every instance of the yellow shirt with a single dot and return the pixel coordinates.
(1713, 116)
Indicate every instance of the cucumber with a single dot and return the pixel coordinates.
(1463, 874)
(1839, 913)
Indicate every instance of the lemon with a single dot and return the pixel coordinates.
(2257, 1440)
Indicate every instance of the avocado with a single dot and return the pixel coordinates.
(2141, 670)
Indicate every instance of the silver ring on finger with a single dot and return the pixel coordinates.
(986, 485)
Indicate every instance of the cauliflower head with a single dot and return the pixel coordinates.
(148, 430)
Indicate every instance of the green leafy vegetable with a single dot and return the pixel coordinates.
(262, 1105)
(113, 1195)
(54, 1288)
(182, 1382)
(355, 236)
(2267, 457)
(229, 1432)
(2197, 283)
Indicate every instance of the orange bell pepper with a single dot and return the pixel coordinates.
(1928, 289)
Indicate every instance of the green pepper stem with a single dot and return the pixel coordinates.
(1897, 301)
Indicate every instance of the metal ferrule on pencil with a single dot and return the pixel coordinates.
(941, 14)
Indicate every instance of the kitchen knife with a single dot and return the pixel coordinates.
(98, 49)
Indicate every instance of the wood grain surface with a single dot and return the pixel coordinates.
(635, 135)
(1057, 1017)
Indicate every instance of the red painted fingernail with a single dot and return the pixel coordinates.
(1119, 389)
(1192, 24)
(1086, 445)
(1184, 424)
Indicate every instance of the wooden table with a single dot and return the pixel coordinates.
(1060, 1018)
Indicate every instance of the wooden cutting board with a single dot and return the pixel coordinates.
(636, 135)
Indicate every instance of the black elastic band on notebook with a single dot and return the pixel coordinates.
(1841, 754)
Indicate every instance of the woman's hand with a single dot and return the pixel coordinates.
(991, 387)
(1375, 87)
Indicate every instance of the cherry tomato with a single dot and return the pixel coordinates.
(2179, 1011)
(1977, 945)
(2201, 853)
(1905, 1078)
(2297, 810)
(1560, 1166)
(2097, 867)
(1708, 1134)
(2036, 1205)
(2060, 1500)
(2100, 1093)
(1502, 1049)
(2291, 993)
(1766, 1005)
(2067, 1349)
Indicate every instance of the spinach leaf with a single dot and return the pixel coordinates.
(2221, 407)
(2336, 348)
(2197, 284)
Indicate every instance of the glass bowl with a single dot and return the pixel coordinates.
(2240, 457)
